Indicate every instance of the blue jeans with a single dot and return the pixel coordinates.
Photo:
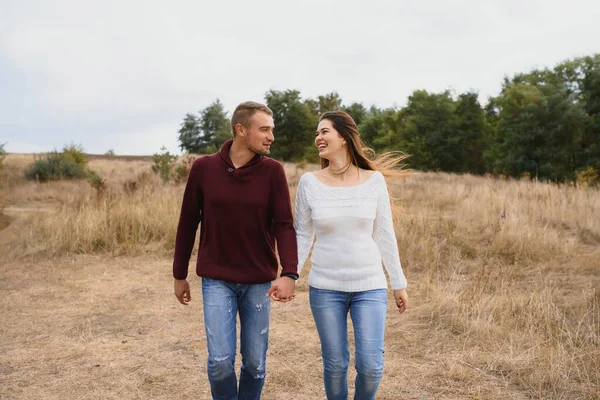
(222, 301)
(368, 311)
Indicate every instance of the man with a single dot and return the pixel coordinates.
(242, 201)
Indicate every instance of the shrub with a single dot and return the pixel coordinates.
(71, 163)
(53, 167)
(163, 164)
(182, 170)
(2, 156)
(75, 153)
(588, 177)
(96, 181)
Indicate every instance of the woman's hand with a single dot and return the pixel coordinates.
(401, 299)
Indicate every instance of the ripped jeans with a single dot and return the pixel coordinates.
(222, 301)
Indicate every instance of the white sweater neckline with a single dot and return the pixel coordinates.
(312, 175)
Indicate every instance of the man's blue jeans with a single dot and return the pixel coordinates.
(222, 301)
(368, 310)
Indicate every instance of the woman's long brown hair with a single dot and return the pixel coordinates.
(390, 164)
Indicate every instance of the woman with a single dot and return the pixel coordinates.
(347, 206)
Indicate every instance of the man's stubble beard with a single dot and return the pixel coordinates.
(260, 152)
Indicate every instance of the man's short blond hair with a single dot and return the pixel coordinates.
(245, 111)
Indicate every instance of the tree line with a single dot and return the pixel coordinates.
(544, 124)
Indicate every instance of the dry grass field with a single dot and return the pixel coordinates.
(504, 286)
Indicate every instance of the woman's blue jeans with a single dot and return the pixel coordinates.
(368, 312)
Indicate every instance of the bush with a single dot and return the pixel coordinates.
(182, 170)
(588, 177)
(70, 164)
(163, 164)
(96, 181)
(75, 153)
(2, 156)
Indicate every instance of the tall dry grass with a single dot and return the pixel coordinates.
(508, 273)
(122, 219)
(503, 274)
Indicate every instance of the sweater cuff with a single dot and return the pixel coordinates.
(290, 269)
(290, 275)
(180, 272)
(402, 284)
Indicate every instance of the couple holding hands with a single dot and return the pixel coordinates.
(240, 197)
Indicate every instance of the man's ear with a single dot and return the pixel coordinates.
(240, 130)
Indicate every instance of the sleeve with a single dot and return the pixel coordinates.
(189, 218)
(305, 231)
(283, 224)
(385, 237)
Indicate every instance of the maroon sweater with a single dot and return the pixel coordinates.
(243, 212)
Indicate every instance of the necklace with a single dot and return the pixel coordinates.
(346, 169)
(342, 170)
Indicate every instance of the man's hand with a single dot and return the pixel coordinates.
(182, 291)
(282, 289)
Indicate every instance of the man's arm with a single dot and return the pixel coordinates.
(189, 219)
(285, 235)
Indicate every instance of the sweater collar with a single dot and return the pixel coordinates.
(224, 154)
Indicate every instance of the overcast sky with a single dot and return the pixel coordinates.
(122, 74)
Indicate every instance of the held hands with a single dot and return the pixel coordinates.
(182, 291)
(282, 289)
(401, 299)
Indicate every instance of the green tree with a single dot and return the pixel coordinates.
(388, 137)
(569, 88)
(471, 127)
(429, 132)
(539, 131)
(325, 103)
(295, 124)
(357, 111)
(590, 96)
(206, 133)
(374, 128)
(215, 127)
(189, 135)
(490, 153)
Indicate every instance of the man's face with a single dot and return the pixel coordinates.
(259, 135)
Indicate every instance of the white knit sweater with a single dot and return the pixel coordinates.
(354, 232)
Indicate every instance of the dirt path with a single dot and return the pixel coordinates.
(16, 215)
(110, 328)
